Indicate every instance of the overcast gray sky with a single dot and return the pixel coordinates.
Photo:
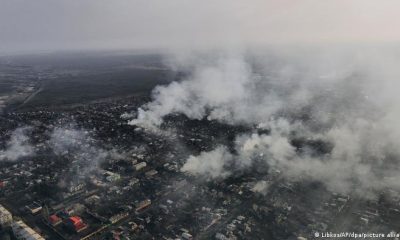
(32, 25)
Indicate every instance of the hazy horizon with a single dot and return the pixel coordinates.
(44, 25)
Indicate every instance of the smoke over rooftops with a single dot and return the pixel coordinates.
(341, 99)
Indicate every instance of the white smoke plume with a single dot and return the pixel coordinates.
(346, 99)
(261, 187)
(205, 90)
(355, 164)
(206, 165)
(18, 145)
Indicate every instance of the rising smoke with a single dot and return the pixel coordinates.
(18, 145)
(205, 163)
(80, 146)
(343, 99)
(261, 187)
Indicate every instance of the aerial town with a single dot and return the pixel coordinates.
(199, 120)
(80, 171)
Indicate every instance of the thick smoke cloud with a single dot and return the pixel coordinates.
(205, 90)
(18, 145)
(339, 106)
